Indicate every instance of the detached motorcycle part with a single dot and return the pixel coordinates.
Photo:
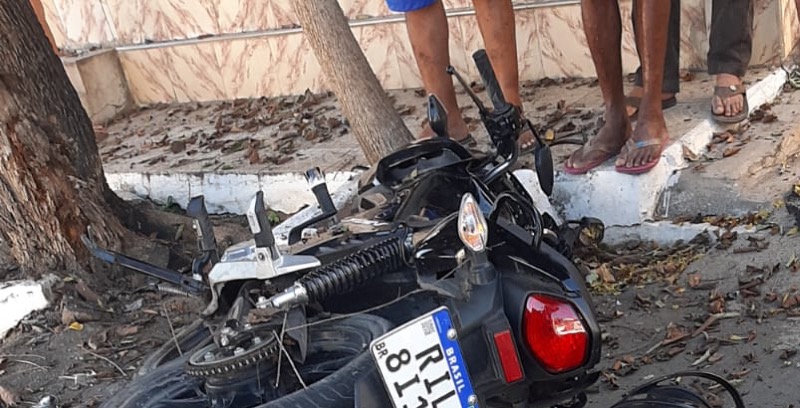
(316, 181)
(654, 395)
(189, 285)
(260, 226)
(344, 275)
(336, 356)
(207, 242)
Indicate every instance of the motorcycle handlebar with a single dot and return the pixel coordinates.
(489, 79)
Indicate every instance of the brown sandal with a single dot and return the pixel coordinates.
(725, 92)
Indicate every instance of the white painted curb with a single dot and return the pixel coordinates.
(18, 299)
(224, 192)
(623, 200)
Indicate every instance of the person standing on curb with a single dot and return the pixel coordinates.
(639, 149)
(730, 50)
(428, 33)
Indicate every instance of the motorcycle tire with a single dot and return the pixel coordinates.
(160, 387)
(190, 339)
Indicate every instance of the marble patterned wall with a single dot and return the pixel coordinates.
(550, 43)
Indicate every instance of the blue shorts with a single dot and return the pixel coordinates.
(404, 6)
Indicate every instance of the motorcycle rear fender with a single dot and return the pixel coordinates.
(521, 279)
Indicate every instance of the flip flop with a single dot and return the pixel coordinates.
(468, 142)
(635, 102)
(576, 171)
(531, 146)
(644, 168)
(724, 92)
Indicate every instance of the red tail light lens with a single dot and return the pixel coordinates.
(555, 334)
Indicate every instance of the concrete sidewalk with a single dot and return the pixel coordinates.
(228, 150)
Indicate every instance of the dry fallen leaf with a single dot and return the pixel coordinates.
(605, 274)
(76, 326)
(694, 280)
(689, 155)
(8, 397)
(730, 151)
(123, 331)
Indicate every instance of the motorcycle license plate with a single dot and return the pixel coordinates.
(422, 366)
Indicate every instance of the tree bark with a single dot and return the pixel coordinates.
(52, 183)
(373, 119)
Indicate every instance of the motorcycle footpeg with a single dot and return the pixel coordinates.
(202, 223)
(259, 223)
(316, 181)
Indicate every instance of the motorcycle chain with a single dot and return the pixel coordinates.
(231, 364)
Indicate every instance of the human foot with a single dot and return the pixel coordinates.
(603, 146)
(634, 99)
(643, 150)
(729, 102)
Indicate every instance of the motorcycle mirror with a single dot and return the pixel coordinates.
(544, 168)
(437, 116)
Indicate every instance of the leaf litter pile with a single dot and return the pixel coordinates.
(696, 308)
(222, 134)
(729, 142)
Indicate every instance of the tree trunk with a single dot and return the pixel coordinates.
(52, 183)
(376, 124)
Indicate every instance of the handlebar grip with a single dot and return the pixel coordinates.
(489, 79)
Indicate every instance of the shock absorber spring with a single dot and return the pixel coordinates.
(356, 269)
(346, 274)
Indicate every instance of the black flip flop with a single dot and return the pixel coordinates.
(724, 92)
(469, 142)
(635, 102)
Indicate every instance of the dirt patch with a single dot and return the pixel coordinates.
(90, 344)
(729, 308)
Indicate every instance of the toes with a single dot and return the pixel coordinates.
(719, 107)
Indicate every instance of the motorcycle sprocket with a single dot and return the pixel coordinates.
(224, 362)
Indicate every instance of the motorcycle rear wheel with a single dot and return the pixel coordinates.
(190, 338)
(335, 359)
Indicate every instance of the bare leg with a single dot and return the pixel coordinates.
(671, 84)
(651, 129)
(603, 26)
(498, 29)
(429, 36)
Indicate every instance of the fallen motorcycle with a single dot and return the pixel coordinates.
(441, 286)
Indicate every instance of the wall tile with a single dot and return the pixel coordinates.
(564, 49)
(54, 22)
(355, 9)
(84, 22)
(529, 45)
(767, 44)
(147, 72)
(791, 26)
(694, 34)
(247, 67)
(295, 65)
(381, 47)
(244, 16)
(195, 72)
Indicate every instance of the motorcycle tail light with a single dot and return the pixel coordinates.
(555, 334)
